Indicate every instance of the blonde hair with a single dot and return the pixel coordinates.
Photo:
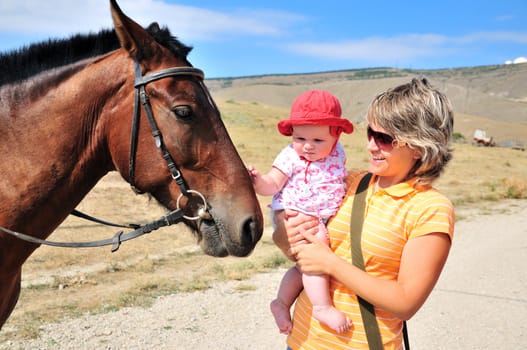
(421, 117)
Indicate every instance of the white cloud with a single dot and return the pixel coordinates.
(400, 48)
(508, 37)
(517, 60)
(374, 49)
(53, 17)
(63, 17)
(504, 18)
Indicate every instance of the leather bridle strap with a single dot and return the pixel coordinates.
(84, 216)
(169, 72)
(142, 97)
(171, 218)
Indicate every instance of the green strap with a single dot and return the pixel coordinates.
(357, 217)
(366, 309)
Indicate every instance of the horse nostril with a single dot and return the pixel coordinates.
(250, 231)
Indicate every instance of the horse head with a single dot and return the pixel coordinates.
(182, 155)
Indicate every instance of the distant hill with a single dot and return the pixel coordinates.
(493, 98)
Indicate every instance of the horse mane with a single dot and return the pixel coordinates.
(30, 60)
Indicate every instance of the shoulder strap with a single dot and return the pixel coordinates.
(366, 309)
(357, 217)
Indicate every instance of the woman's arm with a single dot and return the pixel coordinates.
(422, 260)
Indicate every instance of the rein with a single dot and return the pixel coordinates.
(172, 217)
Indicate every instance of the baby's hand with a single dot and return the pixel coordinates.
(253, 173)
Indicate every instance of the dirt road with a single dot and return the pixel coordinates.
(479, 303)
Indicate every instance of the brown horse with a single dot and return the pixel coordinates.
(64, 128)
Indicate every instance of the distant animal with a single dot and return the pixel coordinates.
(136, 106)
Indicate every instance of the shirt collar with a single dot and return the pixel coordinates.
(401, 189)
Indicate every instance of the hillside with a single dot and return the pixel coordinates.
(493, 98)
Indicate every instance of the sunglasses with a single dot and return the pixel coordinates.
(382, 140)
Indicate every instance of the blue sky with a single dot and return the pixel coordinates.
(241, 38)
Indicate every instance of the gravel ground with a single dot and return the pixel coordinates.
(479, 303)
(232, 315)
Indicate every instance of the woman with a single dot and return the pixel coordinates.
(407, 230)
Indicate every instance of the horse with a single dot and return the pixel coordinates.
(66, 126)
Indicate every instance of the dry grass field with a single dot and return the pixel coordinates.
(493, 98)
(60, 282)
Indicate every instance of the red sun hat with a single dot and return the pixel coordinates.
(315, 107)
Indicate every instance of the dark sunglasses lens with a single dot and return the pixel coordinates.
(384, 138)
(380, 137)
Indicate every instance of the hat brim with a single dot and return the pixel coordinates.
(285, 127)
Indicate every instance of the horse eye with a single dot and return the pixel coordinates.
(183, 112)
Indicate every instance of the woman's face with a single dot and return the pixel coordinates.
(313, 142)
(391, 161)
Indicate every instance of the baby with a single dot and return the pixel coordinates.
(308, 176)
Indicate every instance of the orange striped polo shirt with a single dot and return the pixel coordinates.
(392, 217)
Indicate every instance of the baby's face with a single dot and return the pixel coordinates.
(313, 142)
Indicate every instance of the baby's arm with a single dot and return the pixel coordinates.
(267, 184)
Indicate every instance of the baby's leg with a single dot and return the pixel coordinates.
(317, 289)
(290, 287)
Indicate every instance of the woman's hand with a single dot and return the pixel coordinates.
(314, 258)
(297, 224)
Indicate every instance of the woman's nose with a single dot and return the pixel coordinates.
(371, 145)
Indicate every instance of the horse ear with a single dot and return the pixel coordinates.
(132, 36)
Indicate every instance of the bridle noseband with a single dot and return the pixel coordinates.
(173, 217)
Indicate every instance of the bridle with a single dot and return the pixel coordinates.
(141, 97)
(173, 217)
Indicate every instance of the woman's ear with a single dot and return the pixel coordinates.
(417, 154)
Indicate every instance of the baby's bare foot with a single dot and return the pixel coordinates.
(331, 317)
(281, 316)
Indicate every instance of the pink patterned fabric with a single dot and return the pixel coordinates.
(315, 188)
